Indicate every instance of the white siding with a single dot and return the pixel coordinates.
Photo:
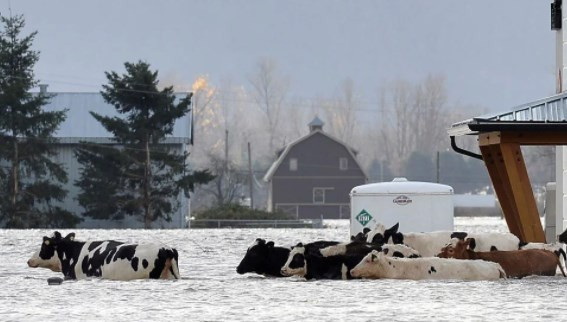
(65, 156)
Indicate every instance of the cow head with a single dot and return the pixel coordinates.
(459, 249)
(47, 257)
(376, 235)
(382, 236)
(255, 258)
(361, 236)
(52, 263)
(295, 264)
(367, 264)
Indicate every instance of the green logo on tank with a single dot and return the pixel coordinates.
(363, 217)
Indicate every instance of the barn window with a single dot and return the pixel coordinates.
(293, 164)
(343, 163)
(318, 195)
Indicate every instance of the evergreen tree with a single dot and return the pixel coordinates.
(137, 176)
(30, 181)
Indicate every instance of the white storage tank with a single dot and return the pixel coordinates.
(417, 206)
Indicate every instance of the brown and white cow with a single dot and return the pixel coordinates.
(516, 263)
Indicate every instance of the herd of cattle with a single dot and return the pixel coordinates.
(378, 253)
(388, 253)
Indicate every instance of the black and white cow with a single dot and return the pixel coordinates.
(263, 258)
(429, 244)
(357, 247)
(336, 261)
(400, 251)
(110, 259)
(310, 265)
(563, 237)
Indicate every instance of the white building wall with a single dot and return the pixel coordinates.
(66, 157)
(561, 151)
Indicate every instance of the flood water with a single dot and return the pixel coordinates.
(211, 290)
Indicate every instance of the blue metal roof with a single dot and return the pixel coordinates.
(81, 124)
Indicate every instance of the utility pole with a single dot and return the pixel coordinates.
(250, 177)
(226, 149)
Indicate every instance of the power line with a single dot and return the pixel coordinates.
(305, 102)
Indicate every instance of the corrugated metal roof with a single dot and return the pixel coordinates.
(80, 123)
(109, 140)
(548, 113)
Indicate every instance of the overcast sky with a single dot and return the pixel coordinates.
(496, 54)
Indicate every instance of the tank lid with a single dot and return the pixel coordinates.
(401, 186)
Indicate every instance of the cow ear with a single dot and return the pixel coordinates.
(270, 244)
(70, 236)
(57, 235)
(394, 229)
(299, 245)
(471, 243)
(260, 241)
(366, 230)
(373, 257)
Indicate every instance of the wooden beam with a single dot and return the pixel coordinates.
(493, 161)
(534, 138)
(507, 170)
(529, 221)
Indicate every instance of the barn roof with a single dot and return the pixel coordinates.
(316, 122)
(80, 125)
(274, 167)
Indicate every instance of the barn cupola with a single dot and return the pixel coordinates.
(316, 124)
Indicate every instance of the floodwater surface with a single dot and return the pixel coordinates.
(211, 290)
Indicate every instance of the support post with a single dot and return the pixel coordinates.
(507, 170)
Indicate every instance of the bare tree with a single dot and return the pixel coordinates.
(269, 90)
(429, 115)
(342, 112)
(396, 108)
(228, 183)
(203, 95)
(413, 118)
(298, 114)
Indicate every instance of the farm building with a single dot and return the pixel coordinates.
(81, 126)
(313, 175)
